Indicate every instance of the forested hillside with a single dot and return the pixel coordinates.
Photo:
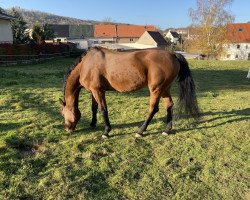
(34, 16)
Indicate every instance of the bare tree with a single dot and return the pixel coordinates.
(108, 20)
(209, 26)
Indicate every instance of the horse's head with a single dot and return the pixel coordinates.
(71, 116)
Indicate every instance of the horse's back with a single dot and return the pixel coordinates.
(125, 72)
(128, 71)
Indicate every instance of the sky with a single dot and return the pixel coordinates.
(161, 13)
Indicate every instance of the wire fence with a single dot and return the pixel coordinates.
(6, 60)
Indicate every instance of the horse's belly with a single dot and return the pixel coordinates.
(127, 81)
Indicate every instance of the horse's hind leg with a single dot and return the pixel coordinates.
(169, 106)
(153, 108)
(94, 108)
(100, 99)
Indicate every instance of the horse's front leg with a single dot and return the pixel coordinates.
(94, 108)
(100, 99)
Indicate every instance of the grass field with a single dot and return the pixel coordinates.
(205, 160)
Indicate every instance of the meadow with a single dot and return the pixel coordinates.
(208, 159)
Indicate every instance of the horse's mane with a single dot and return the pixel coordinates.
(66, 76)
(78, 60)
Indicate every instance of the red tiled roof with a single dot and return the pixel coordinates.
(104, 30)
(238, 32)
(133, 30)
(109, 30)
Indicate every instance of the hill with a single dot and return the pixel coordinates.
(34, 16)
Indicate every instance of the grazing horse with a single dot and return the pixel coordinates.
(102, 70)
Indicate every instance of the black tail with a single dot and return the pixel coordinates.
(187, 102)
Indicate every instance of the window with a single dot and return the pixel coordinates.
(246, 46)
(228, 55)
(238, 46)
(236, 56)
(240, 29)
(131, 39)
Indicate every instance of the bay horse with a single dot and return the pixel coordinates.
(102, 70)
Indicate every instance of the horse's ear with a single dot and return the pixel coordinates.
(62, 102)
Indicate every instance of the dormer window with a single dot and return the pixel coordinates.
(240, 29)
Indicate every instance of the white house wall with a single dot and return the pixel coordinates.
(240, 51)
(172, 39)
(146, 39)
(5, 31)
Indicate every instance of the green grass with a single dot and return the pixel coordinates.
(205, 160)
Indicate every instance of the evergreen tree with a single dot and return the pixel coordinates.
(18, 25)
(48, 32)
(2, 10)
(37, 34)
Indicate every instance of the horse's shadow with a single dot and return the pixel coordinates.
(229, 117)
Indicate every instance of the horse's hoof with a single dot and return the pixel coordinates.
(165, 133)
(137, 135)
(92, 125)
(105, 136)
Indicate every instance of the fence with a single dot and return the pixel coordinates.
(25, 59)
(11, 54)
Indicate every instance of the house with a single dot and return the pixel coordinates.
(182, 31)
(131, 33)
(238, 46)
(120, 33)
(173, 36)
(149, 39)
(63, 32)
(153, 38)
(107, 33)
(6, 35)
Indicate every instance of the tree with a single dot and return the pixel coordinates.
(48, 32)
(19, 27)
(108, 20)
(209, 26)
(2, 10)
(37, 34)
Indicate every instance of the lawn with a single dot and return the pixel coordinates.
(208, 159)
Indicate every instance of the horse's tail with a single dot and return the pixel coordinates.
(187, 101)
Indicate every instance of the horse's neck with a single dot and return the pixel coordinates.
(73, 87)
